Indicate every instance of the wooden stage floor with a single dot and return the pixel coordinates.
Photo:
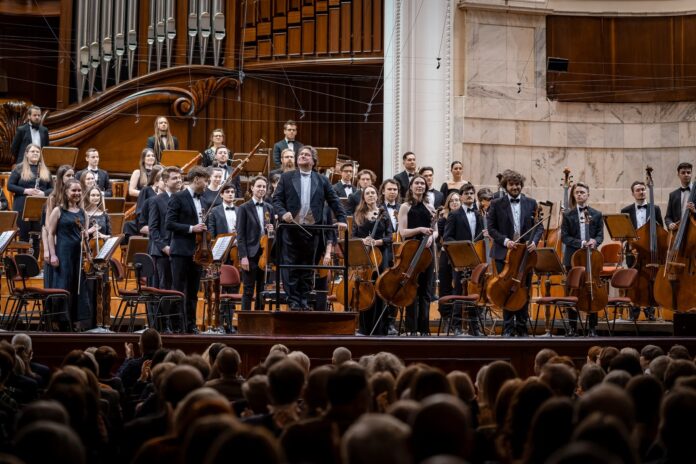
(448, 353)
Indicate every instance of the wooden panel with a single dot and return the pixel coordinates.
(294, 5)
(296, 323)
(307, 11)
(294, 17)
(322, 6)
(249, 52)
(280, 43)
(294, 40)
(367, 25)
(264, 48)
(264, 10)
(308, 37)
(280, 23)
(249, 34)
(345, 27)
(334, 29)
(334, 2)
(322, 34)
(357, 26)
(263, 29)
(377, 25)
(279, 8)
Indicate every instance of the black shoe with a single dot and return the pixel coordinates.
(193, 330)
(458, 331)
(392, 329)
(592, 333)
(475, 332)
(571, 332)
(508, 333)
(522, 332)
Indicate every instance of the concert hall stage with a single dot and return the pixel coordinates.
(448, 353)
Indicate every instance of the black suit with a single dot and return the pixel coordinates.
(248, 237)
(22, 140)
(158, 150)
(341, 189)
(282, 145)
(501, 227)
(438, 198)
(236, 182)
(404, 182)
(353, 202)
(297, 247)
(217, 220)
(674, 208)
(160, 237)
(186, 275)
(102, 180)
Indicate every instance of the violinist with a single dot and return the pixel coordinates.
(93, 204)
(574, 236)
(679, 198)
(435, 197)
(415, 219)
(65, 236)
(185, 220)
(638, 212)
(253, 222)
(223, 217)
(463, 223)
(510, 216)
(375, 229)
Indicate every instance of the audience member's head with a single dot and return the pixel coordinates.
(678, 427)
(302, 360)
(245, 444)
(106, 358)
(648, 353)
(608, 432)
(197, 404)
(606, 399)
(497, 374)
(430, 382)
(606, 355)
(590, 375)
(560, 378)
(341, 355)
(202, 434)
(626, 362)
(377, 438)
(630, 350)
(658, 367)
(386, 362)
(46, 441)
(179, 382)
(502, 402)
(316, 399)
(257, 393)
(197, 361)
(285, 380)
(583, 452)
(550, 430)
(541, 358)
(404, 410)
(347, 388)
(593, 354)
(42, 410)
(646, 393)
(227, 363)
(150, 341)
(678, 368)
(617, 377)
(679, 352)
(279, 347)
(382, 389)
(441, 426)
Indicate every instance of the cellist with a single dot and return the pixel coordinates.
(510, 216)
(185, 220)
(574, 236)
(638, 212)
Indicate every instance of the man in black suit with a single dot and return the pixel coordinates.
(160, 237)
(679, 198)
(405, 176)
(366, 178)
(466, 223)
(344, 187)
(222, 156)
(575, 236)
(435, 197)
(223, 217)
(639, 214)
(300, 198)
(184, 220)
(31, 132)
(255, 219)
(290, 131)
(510, 217)
(101, 177)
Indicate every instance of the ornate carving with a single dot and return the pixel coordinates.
(11, 116)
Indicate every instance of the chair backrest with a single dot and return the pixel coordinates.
(624, 278)
(229, 276)
(144, 266)
(118, 273)
(479, 273)
(575, 278)
(611, 252)
(11, 271)
(27, 266)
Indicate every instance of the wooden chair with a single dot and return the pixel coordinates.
(229, 277)
(611, 252)
(623, 280)
(459, 302)
(575, 278)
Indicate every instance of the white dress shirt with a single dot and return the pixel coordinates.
(583, 235)
(259, 212)
(641, 215)
(471, 217)
(305, 214)
(197, 204)
(35, 135)
(516, 208)
(230, 216)
(392, 212)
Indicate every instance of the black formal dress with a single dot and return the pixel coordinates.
(182, 215)
(373, 318)
(210, 198)
(3, 201)
(133, 227)
(447, 191)
(297, 246)
(353, 202)
(102, 179)
(418, 313)
(16, 185)
(281, 145)
(250, 229)
(501, 226)
(22, 140)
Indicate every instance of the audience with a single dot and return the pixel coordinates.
(168, 406)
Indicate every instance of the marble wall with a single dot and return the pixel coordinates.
(502, 119)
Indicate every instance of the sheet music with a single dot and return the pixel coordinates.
(108, 247)
(220, 247)
(5, 239)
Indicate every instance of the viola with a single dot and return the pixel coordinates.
(265, 243)
(592, 297)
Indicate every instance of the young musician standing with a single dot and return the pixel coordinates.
(404, 177)
(679, 198)
(253, 222)
(223, 217)
(464, 223)
(510, 216)
(290, 132)
(415, 222)
(344, 187)
(163, 138)
(435, 197)
(300, 198)
(638, 212)
(389, 194)
(101, 177)
(185, 220)
(575, 236)
(366, 178)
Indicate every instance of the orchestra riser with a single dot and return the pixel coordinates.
(448, 353)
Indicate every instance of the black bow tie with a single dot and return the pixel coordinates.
(470, 210)
(348, 186)
(642, 206)
(582, 208)
(685, 189)
(392, 206)
(514, 200)
(229, 208)
(259, 204)
(197, 196)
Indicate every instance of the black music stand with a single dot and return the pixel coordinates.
(135, 245)
(221, 246)
(5, 239)
(33, 207)
(620, 229)
(548, 264)
(100, 270)
(462, 254)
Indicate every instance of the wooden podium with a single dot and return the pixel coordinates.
(296, 323)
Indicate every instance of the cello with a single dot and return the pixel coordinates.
(398, 285)
(675, 283)
(650, 245)
(203, 253)
(592, 297)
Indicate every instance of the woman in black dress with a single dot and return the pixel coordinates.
(456, 181)
(366, 215)
(93, 204)
(30, 178)
(63, 174)
(415, 223)
(217, 139)
(452, 204)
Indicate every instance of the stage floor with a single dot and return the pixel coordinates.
(448, 353)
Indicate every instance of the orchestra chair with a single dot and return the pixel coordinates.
(229, 277)
(459, 302)
(136, 244)
(622, 280)
(575, 279)
(8, 221)
(612, 254)
(130, 299)
(18, 270)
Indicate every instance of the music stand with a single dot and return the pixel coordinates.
(5, 239)
(178, 158)
(221, 246)
(33, 207)
(357, 253)
(620, 229)
(54, 157)
(116, 220)
(462, 254)
(115, 204)
(110, 246)
(8, 220)
(257, 162)
(548, 264)
(327, 157)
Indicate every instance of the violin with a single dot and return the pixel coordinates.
(398, 286)
(265, 242)
(675, 283)
(508, 290)
(592, 297)
(203, 253)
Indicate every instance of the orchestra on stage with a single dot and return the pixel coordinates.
(308, 239)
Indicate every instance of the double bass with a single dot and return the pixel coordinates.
(592, 296)
(552, 236)
(675, 283)
(651, 245)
